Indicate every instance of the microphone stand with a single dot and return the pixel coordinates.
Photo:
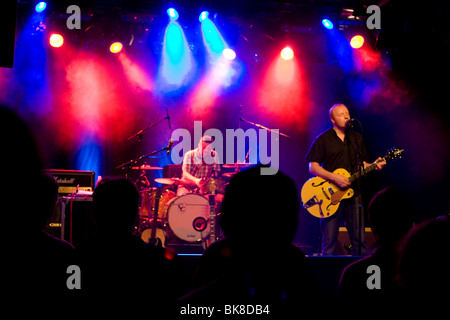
(134, 161)
(139, 135)
(265, 128)
(361, 170)
(140, 132)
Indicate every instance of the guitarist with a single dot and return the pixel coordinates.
(336, 148)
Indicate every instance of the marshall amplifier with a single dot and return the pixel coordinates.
(68, 180)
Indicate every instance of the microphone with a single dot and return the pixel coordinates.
(168, 118)
(169, 146)
(349, 122)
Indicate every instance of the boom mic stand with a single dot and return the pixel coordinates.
(265, 128)
(361, 170)
(134, 161)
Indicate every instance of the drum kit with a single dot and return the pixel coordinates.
(181, 210)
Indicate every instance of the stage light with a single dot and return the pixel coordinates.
(229, 54)
(177, 61)
(212, 38)
(41, 6)
(116, 47)
(287, 53)
(327, 24)
(56, 40)
(173, 14)
(203, 16)
(357, 42)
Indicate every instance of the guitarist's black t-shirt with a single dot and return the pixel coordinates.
(332, 153)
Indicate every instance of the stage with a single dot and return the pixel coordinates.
(338, 100)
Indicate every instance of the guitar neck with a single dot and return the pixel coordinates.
(212, 220)
(366, 170)
(155, 215)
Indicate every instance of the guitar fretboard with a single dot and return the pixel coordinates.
(366, 170)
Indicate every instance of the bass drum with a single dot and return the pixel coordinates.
(148, 202)
(188, 217)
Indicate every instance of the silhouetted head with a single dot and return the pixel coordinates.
(260, 208)
(424, 259)
(21, 167)
(116, 204)
(391, 214)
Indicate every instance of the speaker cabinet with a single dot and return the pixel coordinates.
(72, 220)
(344, 244)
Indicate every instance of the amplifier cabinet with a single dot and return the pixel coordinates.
(72, 220)
(68, 180)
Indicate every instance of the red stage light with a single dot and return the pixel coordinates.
(116, 47)
(287, 53)
(56, 40)
(357, 42)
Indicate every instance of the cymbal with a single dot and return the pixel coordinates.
(167, 181)
(146, 167)
(228, 174)
(237, 165)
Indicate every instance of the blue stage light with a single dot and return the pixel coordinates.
(327, 24)
(172, 13)
(177, 61)
(212, 37)
(41, 6)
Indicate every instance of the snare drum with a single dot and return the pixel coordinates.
(188, 217)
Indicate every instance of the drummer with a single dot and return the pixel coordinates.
(196, 171)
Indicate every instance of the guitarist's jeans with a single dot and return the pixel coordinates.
(349, 210)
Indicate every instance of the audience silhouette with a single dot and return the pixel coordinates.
(391, 215)
(35, 262)
(256, 262)
(119, 265)
(423, 267)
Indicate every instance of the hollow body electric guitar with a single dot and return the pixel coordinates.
(322, 197)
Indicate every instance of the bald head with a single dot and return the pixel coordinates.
(339, 115)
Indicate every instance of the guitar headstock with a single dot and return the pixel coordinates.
(393, 154)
